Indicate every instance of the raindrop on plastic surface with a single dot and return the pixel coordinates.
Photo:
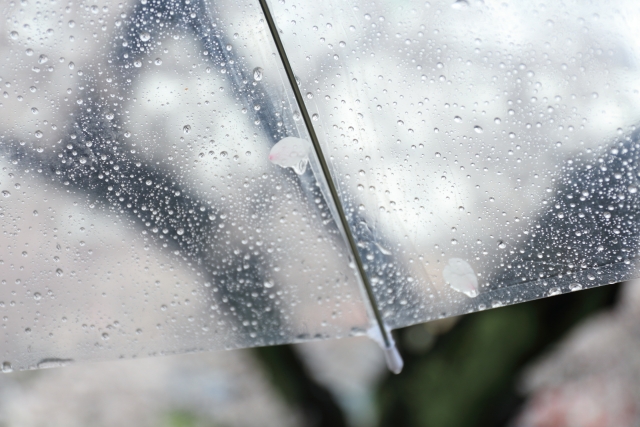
(158, 61)
(186, 129)
(257, 74)
(478, 129)
(460, 276)
(6, 367)
(14, 35)
(632, 189)
(145, 37)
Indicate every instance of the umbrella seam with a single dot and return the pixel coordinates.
(325, 170)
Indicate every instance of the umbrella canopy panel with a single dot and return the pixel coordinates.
(485, 151)
(140, 211)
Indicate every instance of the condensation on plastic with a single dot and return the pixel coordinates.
(140, 214)
(485, 150)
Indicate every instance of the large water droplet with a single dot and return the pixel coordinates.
(145, 36)
(186, 129)
(257, 74)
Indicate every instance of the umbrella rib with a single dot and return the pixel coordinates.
(325, 170)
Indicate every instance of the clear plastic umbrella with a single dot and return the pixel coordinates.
(192, 175)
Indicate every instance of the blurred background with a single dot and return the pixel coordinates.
(566, 361)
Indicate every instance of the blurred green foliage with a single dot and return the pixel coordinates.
(469, 375)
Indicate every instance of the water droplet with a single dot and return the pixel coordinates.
(42, 59)
(5, 193)
(35, 213)
(105, 336)
(478, 129)
(457, 119)
(554, 291)
(145, 37)
(72, 23)
(315, 117)
(59, 272)
(400, 123)
(38, 134)
(34, 110)
(148, 182)
(37, 296)
(497, 120)
(180, 231)
(137, 63)
(268, 284)
(186, 129)
(502, 245)
(14, 35)
(454, 242)
(257, 74)
(29, 52)
(575, 287)
(6, 367)
(158, 61)
(460, 5)
(632, 189)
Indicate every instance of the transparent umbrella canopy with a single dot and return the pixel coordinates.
(193, 175)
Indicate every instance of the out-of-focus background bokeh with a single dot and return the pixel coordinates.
(557, 362)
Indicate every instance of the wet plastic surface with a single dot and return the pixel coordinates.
(483, 164)
(147, 209)
(141, 214)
